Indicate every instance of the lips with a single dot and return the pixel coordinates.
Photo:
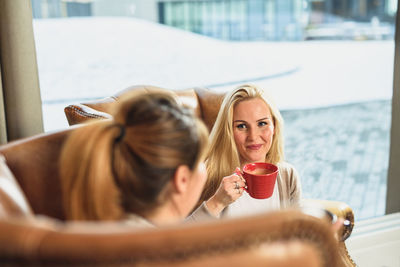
(254, 147)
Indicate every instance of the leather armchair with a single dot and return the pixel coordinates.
(205, 104)
(33, 230)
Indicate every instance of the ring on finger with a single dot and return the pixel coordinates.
(237, 185)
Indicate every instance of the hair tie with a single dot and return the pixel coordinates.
(121, 134)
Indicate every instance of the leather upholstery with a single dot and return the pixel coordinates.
(284, 238)
(34, 163)
(202, 101)
(206, 104)
(12, 199)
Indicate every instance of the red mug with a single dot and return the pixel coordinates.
(260, 179)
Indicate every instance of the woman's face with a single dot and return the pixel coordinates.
(253, 130)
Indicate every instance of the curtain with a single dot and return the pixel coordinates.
(393, 182)
(3, 124)
(21, 107)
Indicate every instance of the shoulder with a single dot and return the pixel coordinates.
(286, 167)
(290, 178)
(287, 171)
(137, 221)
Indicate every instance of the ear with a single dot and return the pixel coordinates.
(182, 178)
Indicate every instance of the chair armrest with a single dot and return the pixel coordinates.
(340, 209)
(79, 113)
(281, 238)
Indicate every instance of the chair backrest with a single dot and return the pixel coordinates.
(12, 199)
(34, 163)
(204, 102)
(283, 238)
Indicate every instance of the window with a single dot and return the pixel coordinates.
(328, 63)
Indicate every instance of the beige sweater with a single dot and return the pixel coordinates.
(289, 187)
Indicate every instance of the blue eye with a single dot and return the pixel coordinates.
(241, 126)
(262, 123)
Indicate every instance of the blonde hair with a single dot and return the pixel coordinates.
(123, 165)
(223, 156)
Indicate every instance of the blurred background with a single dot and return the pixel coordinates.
(327, 63)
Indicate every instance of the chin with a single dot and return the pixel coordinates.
(252, 160)
(258, 159)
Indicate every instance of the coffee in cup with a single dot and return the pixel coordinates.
(260, 171)
(260, 179)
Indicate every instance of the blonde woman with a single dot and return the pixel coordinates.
(144, 167)
(248, 128)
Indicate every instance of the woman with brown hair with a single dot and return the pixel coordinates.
(144, 166)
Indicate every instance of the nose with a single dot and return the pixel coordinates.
(252, 134)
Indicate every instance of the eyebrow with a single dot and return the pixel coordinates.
(266, 118)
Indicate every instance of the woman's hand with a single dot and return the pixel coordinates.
(230, 189)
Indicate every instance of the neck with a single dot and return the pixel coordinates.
(164, 215)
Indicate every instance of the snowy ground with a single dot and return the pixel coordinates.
(88, 58)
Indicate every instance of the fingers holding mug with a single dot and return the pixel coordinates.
(240, 175)
(240, 191)
(239, 183)
(230, 189)
(238, 188)
(235, 186)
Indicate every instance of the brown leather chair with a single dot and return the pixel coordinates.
(205, 104)
(284, 238)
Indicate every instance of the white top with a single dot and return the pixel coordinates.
(246, 205)
(136, 220)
